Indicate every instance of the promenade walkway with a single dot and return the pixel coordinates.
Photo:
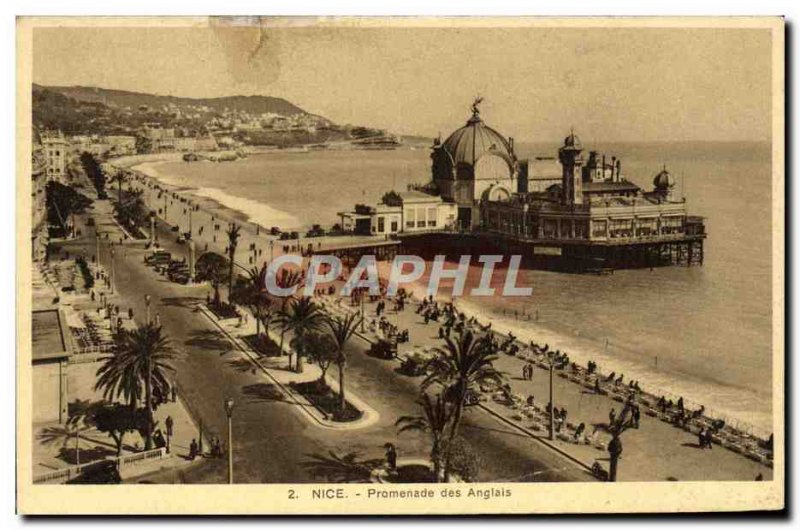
(655, 451)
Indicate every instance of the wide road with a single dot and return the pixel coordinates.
(274, 443)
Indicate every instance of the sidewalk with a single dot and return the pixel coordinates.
(655, 451)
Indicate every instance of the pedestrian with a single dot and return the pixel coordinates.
(169, 423)
(636, 417)
(174, 391)
(391, 456)
(193, 449)
(612, 415)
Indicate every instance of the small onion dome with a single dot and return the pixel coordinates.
(664, 180)
(572, 141)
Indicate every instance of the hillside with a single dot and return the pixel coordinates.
(124, 98)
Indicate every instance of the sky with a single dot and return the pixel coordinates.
(622, 84)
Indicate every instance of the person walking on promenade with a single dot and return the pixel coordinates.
(193, 449)
(636, 417)
(174, 392)
(391, 456)
(612, 415)
(169, 424)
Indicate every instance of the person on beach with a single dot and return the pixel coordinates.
(612, 415)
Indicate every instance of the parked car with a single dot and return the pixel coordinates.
(383, 349)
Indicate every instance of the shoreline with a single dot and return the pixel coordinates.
(671, 385)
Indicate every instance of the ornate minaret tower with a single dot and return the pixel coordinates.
(571, 162)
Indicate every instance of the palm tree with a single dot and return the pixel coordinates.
(286, 280)
(302, 315)
(461, 367)
(342, 328)
(234, 233)
(436, 415)
(212, 267)
(64, 434)
(142, 359)
(119, 178)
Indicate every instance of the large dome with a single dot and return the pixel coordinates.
(664, 180)
(469, 143)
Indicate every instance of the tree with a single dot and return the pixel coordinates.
(95, 174)
(62, 202)
(234, 232)
(436, 416)
(320, 348)
(342, 328)
(621, 423)
(119, 177)
(141, 361)
(117, 420)
(301, 316)
(286, 280)
(461, 367)
(251, 292)
(65, 434)
(212, 268)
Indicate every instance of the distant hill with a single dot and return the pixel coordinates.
(124, 98)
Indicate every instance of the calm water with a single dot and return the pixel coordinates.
(702, 332)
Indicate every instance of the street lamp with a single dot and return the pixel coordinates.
(552, 404)
(112, 270)
(147, 305)
(229, 412)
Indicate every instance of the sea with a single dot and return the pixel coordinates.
(703, 333)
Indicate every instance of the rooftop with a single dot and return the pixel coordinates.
(49, 341)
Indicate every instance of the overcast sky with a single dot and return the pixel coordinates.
(609, 84)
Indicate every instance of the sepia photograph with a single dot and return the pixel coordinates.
(307, 265)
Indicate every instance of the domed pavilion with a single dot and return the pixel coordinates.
(474, 163)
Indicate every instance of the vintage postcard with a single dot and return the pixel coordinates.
(400, 265)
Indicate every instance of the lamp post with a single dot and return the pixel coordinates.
(552, 404)
(363, 316)
(147, 306)
(112, 270)
(229, 412)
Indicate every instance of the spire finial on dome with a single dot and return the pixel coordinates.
(475, 110)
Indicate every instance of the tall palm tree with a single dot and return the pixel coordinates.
(119, 178)
(287, 279)
(436, 415)
(302, 315)
(234, 232)
(461, 367)
(342, 329)
(141, 362)
(252, 293)
(212, 267)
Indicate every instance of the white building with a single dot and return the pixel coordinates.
(55, 148)
(409, 211)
